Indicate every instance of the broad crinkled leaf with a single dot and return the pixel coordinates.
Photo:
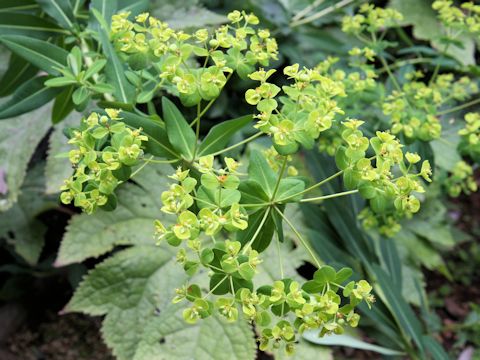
(19, 138)
(185, 14)
(134, 289)
(426, 26)
(130, 223)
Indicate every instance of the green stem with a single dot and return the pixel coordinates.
(197, 130)
(237, 144)
(151, 160)
(260, 226)
(337, 174)
(459, 107)
(305, 244)
(331, 196)
(280, 175)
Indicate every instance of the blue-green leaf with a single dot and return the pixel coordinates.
(180, 134)
(40, 53)
(31, 95)
(28, 25)
(260, 171)
(17, 5)
(158, 143)
(348, 341)
(60, 10)
(114, 70)
(219, 135)
(19, 70)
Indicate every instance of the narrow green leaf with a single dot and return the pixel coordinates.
(134, 7)
(27, 25)
(158, 143)
(38, 52)
(63, 105)
(19, 70)
(403, 314)
(114, 70)
(219, 135)
(348, 341)
(391, 261)
(180, 134)
(17, 5)
(106, 8)
(260, 171)
(60, 10)
(435, 349)
(31, 95)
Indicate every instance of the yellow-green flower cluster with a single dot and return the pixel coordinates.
(209, 211)
(470, 137)
(413, 111)
(308, 107)
(461, 180)
(464, 18)
(371, 19)
(106, 151)
(194, 64)
(390, 197)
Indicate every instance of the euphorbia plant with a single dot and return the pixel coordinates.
(222, 215)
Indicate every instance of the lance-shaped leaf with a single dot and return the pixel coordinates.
(158, 143)
(219, 135)
(180, 134)
(28, 25)
(134, 289)
(17, 5)
(18, 72)
(260, 171)
(40, 53)
(29, 96)
(114, 70)
(60, 10)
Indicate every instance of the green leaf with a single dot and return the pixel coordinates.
(106, 8)
(134, 289)
(17, 5)
(348, 341)
(158, 143)
(131, 222)
(260, 171)
(19, 138)
(40, 53)
(134, 7)
(115, 69)
(305, 350)
(219, 135)
(19, 225)
(265, 234)
(27, 25)
(403, 314)
(180, 134)
(59, 168)
(435, 349)
(59, 10)
(28, 97)
(18, 72)
(63, 105)
(289, 187)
